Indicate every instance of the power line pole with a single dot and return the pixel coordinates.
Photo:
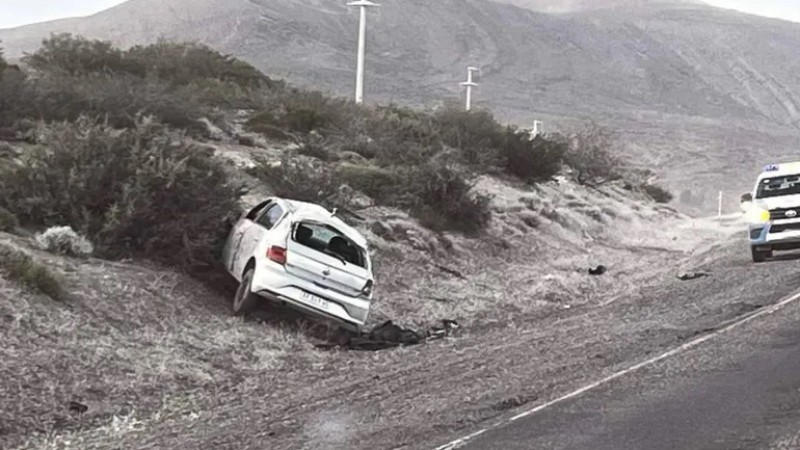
(470, 84)
(362, 37)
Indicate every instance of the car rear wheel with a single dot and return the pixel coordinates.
(245, 300)
(759, 256)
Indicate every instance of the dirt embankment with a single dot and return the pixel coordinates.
(153, 360)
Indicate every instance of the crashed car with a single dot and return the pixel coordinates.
(303, 256)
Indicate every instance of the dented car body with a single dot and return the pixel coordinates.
(301, 255)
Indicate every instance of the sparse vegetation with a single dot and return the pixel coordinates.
(591, 156)
(21, 268)
(8, 221)
(144, 191)
(64, 240)
(657, 193)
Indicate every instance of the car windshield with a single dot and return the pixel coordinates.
(328, 240)
(778, 186)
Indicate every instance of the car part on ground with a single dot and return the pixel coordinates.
(389, 335)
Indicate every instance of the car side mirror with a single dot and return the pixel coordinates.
(746, 198)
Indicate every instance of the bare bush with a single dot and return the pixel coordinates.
(64, 240)
(591, 155)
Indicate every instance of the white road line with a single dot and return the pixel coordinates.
(694, 343)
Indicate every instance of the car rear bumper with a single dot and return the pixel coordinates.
(275, 284)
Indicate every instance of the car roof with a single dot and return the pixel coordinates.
(780, 170)
(316, 213)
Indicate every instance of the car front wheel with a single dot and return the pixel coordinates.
(245, 300)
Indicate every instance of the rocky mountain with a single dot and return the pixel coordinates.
(703, 94)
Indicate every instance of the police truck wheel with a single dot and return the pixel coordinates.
(759, 256)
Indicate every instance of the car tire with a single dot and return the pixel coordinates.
(245, 301)
(759, 257)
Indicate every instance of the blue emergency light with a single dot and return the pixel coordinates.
(771, 168)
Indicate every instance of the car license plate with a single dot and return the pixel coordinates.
(316, 301)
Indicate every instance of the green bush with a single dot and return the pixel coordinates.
(443, 199)
(657, 193)
(144, 191)
(531, 160)
(116, 98)
(21, 268)
(475, 133)
(383, 185)
(303, 180)
(8, 221)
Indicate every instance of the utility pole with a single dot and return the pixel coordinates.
(719, 205)
(362, 37)
(470, 84)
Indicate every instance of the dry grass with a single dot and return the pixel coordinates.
(131, 337)
(144, 348)
(18, 266)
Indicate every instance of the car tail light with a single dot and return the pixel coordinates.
(277, 254)
(367, 291)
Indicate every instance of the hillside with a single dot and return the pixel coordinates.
(677, 78)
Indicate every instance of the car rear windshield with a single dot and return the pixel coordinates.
(326, 239)
(778, 186)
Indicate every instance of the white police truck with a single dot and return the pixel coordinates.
(772, 210)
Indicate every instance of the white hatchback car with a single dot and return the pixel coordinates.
(301, 255)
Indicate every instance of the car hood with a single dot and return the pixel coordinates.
(782, 202)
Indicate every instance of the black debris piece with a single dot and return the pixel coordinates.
(687, 276)
(389, 335)
(449, 271)
(599, 270)
(77, 407)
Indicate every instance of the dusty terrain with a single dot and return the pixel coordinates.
(158, 361)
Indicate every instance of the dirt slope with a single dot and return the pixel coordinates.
(151, 352)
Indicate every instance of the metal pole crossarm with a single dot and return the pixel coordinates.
(362, 3)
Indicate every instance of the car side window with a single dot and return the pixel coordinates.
(255, 212)
(270, 217)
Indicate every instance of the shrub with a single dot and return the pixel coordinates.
(475, 133)
(531, 160)
(8, 221)
(21, 268)
(442, 199)
(303, 180)
(657, 193)
(590, 156)
(383, 185)
(118, 99)
(64, 240)
(63, 54)
(146, 191)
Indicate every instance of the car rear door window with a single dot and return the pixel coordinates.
(271, 217)
(256, 212)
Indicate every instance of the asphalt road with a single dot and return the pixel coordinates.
(738, 390)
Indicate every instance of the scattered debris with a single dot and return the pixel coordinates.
(77, 407)
(452, 272)
(599, 270)
(389, 335)
(687, 276)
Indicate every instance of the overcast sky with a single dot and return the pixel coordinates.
(20, 12)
